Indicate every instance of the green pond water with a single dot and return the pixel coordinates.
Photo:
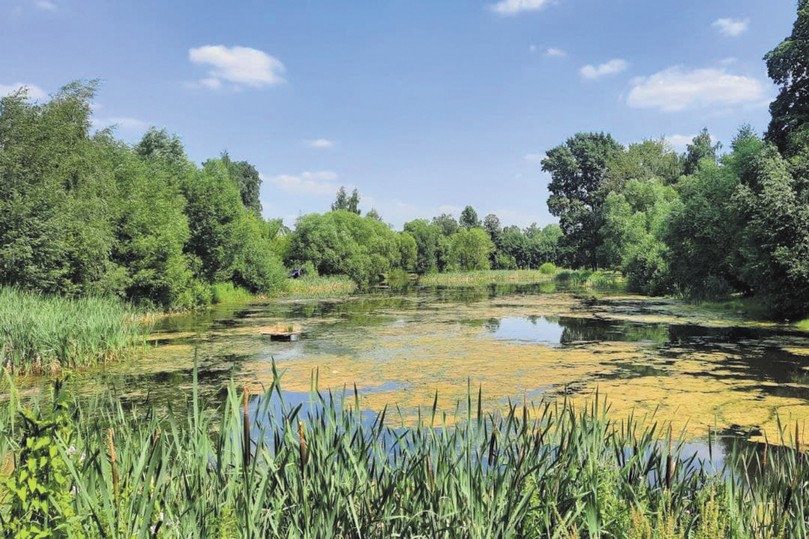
(662, 360)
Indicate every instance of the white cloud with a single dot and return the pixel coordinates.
(121, 122)
(532, 48)
(34, 92)
(312, 183)
(241, 66)
(676, 89)
(513, 7)
(320, 143)
(616, 65)
(534, 157)
(553, 52)
(731, 27)
(46, 5)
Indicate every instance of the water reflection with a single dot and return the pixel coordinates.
(517, 341)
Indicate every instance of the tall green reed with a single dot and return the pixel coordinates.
(41, 334)
(262, 466)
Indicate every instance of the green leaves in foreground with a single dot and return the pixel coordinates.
(262, 467)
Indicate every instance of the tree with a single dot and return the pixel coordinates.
(788, 67)
(774, 212)
(578, 169)
(643, 161)
(446, 223)
(469, 249)
(491, 224)
(373, 214)
(55, 222)
(469, 218)
(159, 144)
(701, 148)
(214, 204)
(345, 202)
(248, 180)
(428, 237)
(342, 242)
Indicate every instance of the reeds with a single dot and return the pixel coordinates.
(316, 287)
(260, 467)
(486, 277)
(46, 334)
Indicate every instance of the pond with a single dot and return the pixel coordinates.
(662, 360)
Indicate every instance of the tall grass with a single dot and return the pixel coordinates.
(261, 467)
(229, 293)
(486, 277)
(315, 287)
(45, 334)
(591, 279)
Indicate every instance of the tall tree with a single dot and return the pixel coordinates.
(249, 181)
(469, 218)
(492, 226)
(701, 148)
(788, 67)
(447, 223)
(160, 144)
(345, 202)
(578, 169)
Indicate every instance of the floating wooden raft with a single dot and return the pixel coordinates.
(282, 336)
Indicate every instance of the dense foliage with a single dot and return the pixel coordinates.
(83, 214)
(700, 224)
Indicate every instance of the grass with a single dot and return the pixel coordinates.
(485, 277)
(228, 293)
(316, 287)
(803, 325)
(749, 307)
(261, 467)
(47, 334)
(599, 279)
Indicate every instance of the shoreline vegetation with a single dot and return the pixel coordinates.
(269, 468)
(48, 334)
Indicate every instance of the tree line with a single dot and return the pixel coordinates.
(83, 214)
(703, 224)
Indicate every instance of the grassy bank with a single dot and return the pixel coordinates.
(46, 334)
(486, 277)
(319, 287)
(545, 274)
(261, 468)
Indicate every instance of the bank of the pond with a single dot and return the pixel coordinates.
(42, 334)
(260, 467)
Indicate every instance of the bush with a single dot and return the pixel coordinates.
(548, 268)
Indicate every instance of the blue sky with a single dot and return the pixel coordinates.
(424, 106)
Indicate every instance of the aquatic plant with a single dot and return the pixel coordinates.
(41, 333)
(227, 292)
(261, 466)
(315, 287)
(484, 278)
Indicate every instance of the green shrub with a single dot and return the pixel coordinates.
(548, 268)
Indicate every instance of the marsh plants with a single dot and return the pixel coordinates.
(48, 334)
(262, 467)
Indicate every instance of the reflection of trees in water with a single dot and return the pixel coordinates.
(492, 324)
(590, 329)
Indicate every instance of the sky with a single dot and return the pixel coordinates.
(424, 106)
